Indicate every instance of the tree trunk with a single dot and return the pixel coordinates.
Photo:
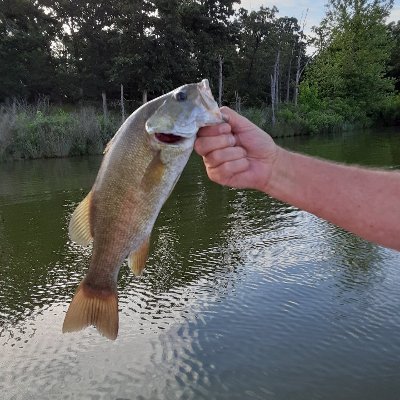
(122, 104)
(14, 106)
(237, 103)
(273, 99)
(288, 77)
(220, 82)
(105, 110)
(297, 80)
(275, 88)
(250, 70)
(277, 67)
(81, 102)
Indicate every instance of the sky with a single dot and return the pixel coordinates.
(298, 8)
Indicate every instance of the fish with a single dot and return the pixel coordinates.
(141, 165)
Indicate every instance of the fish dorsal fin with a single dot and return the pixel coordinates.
(111, 142)
(137, 258)
(79, 226)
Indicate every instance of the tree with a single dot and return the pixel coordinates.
(262, 36)
(88, 41)
(212, 34)
(257, 52)
(394, 62)
(27, 67)
(133, 64)
(351, 66)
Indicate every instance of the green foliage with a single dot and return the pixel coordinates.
(40, 133)
(311, 122)
(260, 35)
(87, 47)
(27, 67)
(309, 97)
(295, 120)
(259, 116)
(346, 84)
(317, 121)
(74, 51)
(390, 111)
(394, 70)
(290, 122)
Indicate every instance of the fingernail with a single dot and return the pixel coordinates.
(225, 117)
(232, 139)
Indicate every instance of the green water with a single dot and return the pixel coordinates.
(243, 297)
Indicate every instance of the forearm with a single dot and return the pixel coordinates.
(363, 201)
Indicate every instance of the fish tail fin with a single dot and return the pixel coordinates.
(96, 307)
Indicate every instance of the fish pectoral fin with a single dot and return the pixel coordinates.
(91, 306)
(79, 226)
(137, 259)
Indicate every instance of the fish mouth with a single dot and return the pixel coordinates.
(168, 138)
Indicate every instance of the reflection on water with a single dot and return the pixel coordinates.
(243, 296)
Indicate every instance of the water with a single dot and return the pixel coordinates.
(243, 297)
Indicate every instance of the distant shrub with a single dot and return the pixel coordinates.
(259, 116)
(7, 121)
(318, 121)
(390, 110)
(291, 120)
(308, 98)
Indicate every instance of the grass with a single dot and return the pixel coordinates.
(292, 121)
(284, 126)
(41, 131)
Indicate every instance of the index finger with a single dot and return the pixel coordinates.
(214, 130)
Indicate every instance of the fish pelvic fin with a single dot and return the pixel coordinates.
(79, 226)
(137, 258)
(96, 307)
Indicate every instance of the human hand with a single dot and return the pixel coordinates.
(237, 153)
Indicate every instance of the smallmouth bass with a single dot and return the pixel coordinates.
(140, 168)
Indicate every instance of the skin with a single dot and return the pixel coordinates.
(363, 201)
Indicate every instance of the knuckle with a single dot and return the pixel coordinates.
(243, 152)
(228, 141)
(226, 168)
(214, 158)
(198, 146)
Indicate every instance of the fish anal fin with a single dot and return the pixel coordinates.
(93, 307)
(79, 226)
(137, 258)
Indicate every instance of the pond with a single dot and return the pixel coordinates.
(243, 297)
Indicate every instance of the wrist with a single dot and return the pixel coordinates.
(278, 177)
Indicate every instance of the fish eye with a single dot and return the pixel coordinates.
(180, 96)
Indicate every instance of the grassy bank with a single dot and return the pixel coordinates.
(40, 131)
(315, 117)
(293, 121)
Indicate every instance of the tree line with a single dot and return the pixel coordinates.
(77, 50)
